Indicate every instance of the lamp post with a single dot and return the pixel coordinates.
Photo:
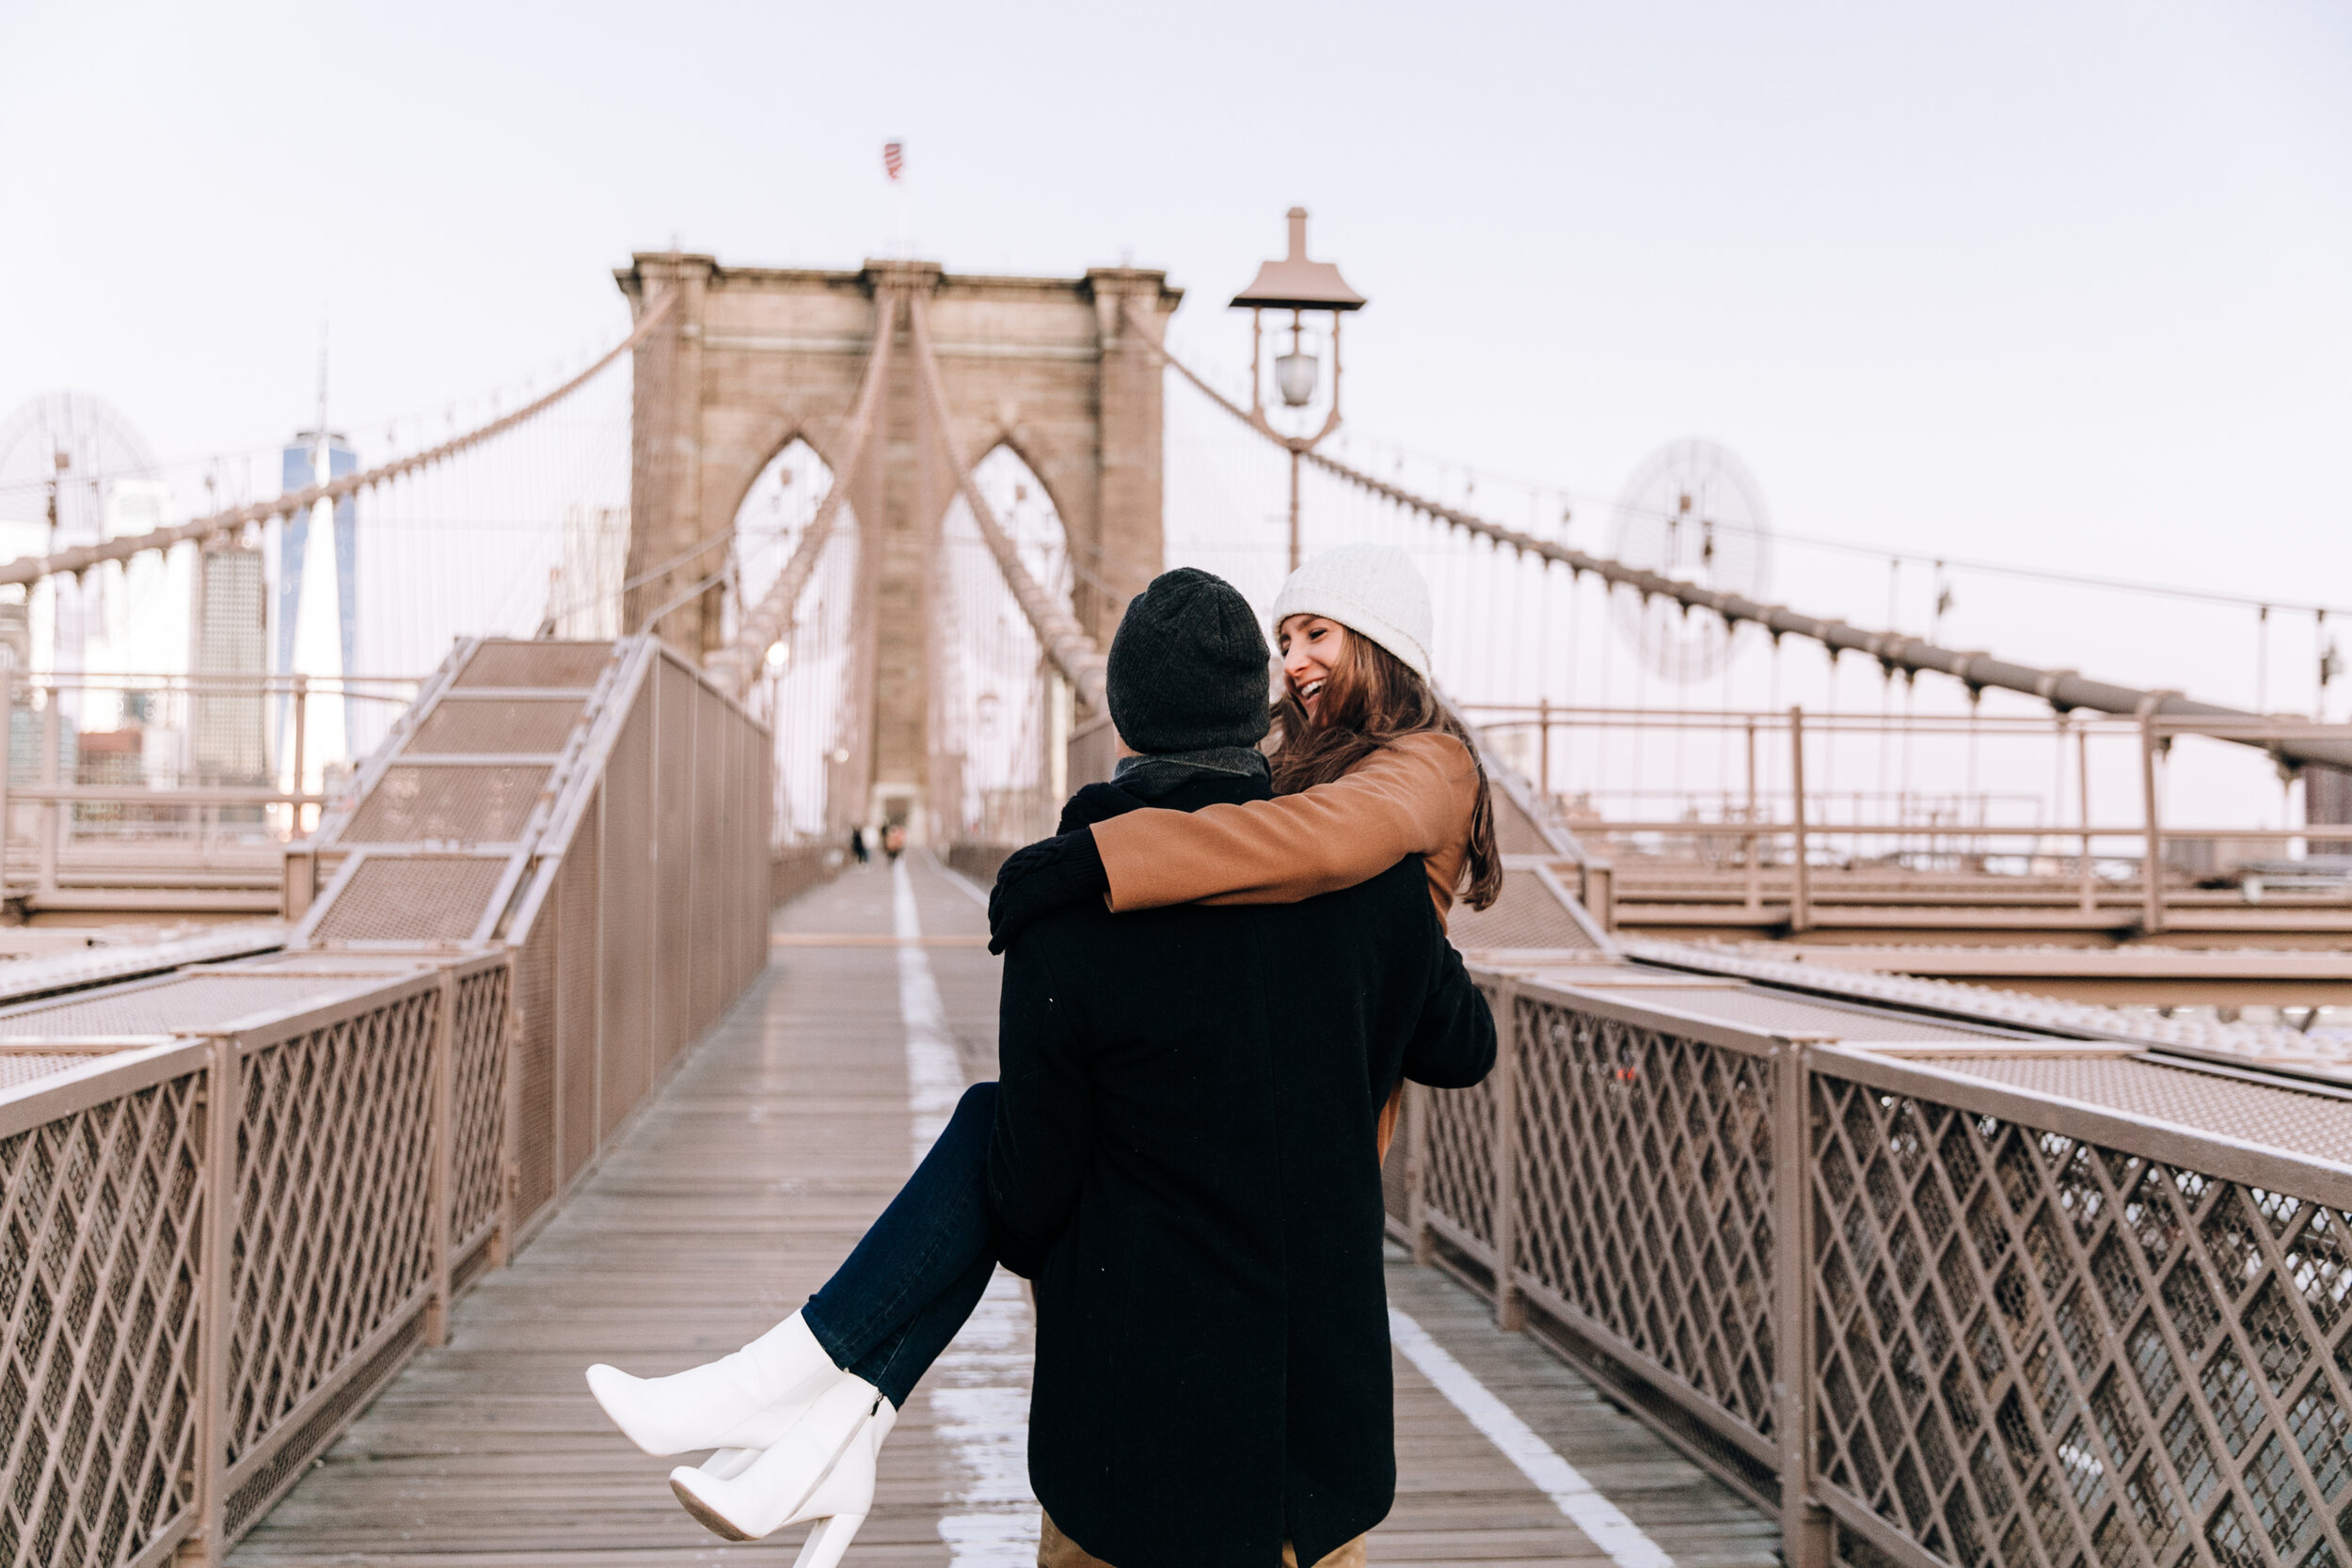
(1296, 285)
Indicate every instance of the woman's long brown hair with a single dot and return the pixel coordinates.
(1371, 699)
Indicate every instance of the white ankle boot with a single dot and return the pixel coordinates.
(822, 1470)
(748, 1400)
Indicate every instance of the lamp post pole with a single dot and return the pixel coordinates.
(1296, 455)
(1297, 285)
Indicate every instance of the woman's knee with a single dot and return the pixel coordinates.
(978, 1102)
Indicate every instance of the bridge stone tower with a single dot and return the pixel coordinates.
(751, 358)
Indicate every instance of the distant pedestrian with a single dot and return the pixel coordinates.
(894, 841)
(857, 845)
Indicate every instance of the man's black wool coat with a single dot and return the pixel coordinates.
(1185, 1162)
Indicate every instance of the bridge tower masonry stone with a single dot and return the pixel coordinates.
(754, 357)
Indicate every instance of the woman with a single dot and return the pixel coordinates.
(1370, 767)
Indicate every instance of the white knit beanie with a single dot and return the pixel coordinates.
(1373, 590)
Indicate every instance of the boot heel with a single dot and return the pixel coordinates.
(829, 1541)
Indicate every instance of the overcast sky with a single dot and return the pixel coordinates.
(2063, 282)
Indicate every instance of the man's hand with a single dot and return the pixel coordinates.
(1041, 878)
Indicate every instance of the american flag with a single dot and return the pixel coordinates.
(893, 159)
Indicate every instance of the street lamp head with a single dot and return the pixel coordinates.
(1295, 283)
(1295, 378)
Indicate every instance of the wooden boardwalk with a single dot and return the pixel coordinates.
(734, 1193)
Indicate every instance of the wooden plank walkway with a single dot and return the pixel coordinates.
(734, 1193)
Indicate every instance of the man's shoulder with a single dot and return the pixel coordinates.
(1407, 880)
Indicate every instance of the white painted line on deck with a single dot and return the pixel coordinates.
(957, 880)
(934, 1067)
(1583, 1505)
(976, 1387)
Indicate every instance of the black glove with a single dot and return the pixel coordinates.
(1041, 878)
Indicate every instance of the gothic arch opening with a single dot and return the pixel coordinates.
(805, 689)
(999, 723)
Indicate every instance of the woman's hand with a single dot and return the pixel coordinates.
(1041, 878)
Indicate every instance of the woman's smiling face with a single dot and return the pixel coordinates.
(1310, 646)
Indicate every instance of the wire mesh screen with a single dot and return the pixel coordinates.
(1516, 833)
(1646, 1198)
(624, 957)
(100, 1218)
(654, 919)
(592, 1073)
(2037, 1351)
(540, 662)
(1525, 916)
(674, 869)
(182, 1004)
(16, 1069)
(2319, 1125)
(538, 1175)
(448, 804)
(412, 898)
(493, 726)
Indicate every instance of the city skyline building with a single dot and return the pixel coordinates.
(301, 468)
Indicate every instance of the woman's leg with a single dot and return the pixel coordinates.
(914, 1278)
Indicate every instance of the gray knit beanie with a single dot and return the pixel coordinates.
(1189, 669)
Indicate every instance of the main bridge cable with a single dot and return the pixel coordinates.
(739, 662)
(1065, 643)
(30, 569)
(2063, 690)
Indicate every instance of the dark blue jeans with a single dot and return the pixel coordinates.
(890, 1309)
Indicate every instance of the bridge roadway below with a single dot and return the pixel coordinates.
(743, 1182)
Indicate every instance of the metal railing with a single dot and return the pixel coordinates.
(1769, 835)
(214, 1249)
(218, 1243)
(2010, 1301)
(130, 791)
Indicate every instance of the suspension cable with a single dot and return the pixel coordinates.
(32, 568)
(2063, 690)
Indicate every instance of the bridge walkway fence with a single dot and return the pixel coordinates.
(1939, 1304)
(236, 1196)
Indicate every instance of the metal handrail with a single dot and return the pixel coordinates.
(1827, 1273)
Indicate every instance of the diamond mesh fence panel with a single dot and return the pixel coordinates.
(1457, 1157)
(2026, 1349)
(447, 803)
(335, 1141)
(478, 1101)
(495, 726)
(101, 1213)
(2036, 1350)
(572, 666)
(1646, 1198)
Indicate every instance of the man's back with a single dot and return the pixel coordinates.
(1184, 1161)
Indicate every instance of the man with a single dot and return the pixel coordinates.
(1183, 1158)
